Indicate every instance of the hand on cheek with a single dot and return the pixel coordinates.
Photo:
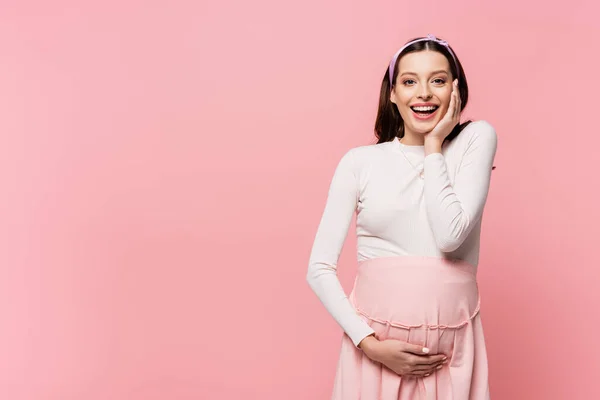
(450, 119)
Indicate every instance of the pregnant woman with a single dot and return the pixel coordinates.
(412, 326)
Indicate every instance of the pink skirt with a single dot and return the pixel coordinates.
(428, 301)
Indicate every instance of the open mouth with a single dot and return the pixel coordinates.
(424, 112)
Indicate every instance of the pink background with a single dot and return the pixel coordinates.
(164, 166)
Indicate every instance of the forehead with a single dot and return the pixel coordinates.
(422, 62)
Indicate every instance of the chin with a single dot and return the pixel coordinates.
(423, 126)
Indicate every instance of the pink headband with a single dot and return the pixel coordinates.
(429, 37)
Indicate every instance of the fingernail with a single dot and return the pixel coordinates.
(425, 350)
(439, 366)
(444, 359)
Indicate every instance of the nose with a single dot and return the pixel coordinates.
(424, 92)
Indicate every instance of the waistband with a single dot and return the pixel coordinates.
(420, 262)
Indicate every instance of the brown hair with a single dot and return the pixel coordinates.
(389, 124)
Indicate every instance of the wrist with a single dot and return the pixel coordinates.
(368, 343)
(433, 145)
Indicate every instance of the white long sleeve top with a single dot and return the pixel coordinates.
(399, 213)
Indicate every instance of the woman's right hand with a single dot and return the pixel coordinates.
(403, 358)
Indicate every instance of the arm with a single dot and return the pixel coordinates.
(453, 210)
(329, 241)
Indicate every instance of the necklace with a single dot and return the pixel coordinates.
(419, 170)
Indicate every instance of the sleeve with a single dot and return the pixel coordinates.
(328, 243)
(453, 210)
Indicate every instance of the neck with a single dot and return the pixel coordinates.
(408, 140)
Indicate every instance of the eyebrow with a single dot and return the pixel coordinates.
(433, 73)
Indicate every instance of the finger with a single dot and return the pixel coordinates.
(434, 367)
(457, 109)
(458, 104)
(419, 373)
(415, 349)
(430, 363)
(431, 367)
(451, 108)
(455, 103)
(458, 101)
(430, 360)
(422, 370)
(426, 371)
(428, 374)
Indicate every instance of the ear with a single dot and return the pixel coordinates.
(393, 95)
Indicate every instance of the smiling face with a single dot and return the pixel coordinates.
(422, 92)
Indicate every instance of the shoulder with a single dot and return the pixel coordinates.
(480, 131)
(366, 153)
(478, 136)
(359, 159)
(478, 140)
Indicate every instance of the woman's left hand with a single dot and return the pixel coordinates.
(450, 120)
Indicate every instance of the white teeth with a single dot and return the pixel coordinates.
(428, 108)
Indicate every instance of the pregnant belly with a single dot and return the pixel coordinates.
(414, 293)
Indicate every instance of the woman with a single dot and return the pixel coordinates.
(412, 328)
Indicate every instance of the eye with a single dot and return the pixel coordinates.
(440, 81)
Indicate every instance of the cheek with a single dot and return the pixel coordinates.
(445, 100)
(403, 100)
(402, 104)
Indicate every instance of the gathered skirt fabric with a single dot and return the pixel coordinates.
(427, 301)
